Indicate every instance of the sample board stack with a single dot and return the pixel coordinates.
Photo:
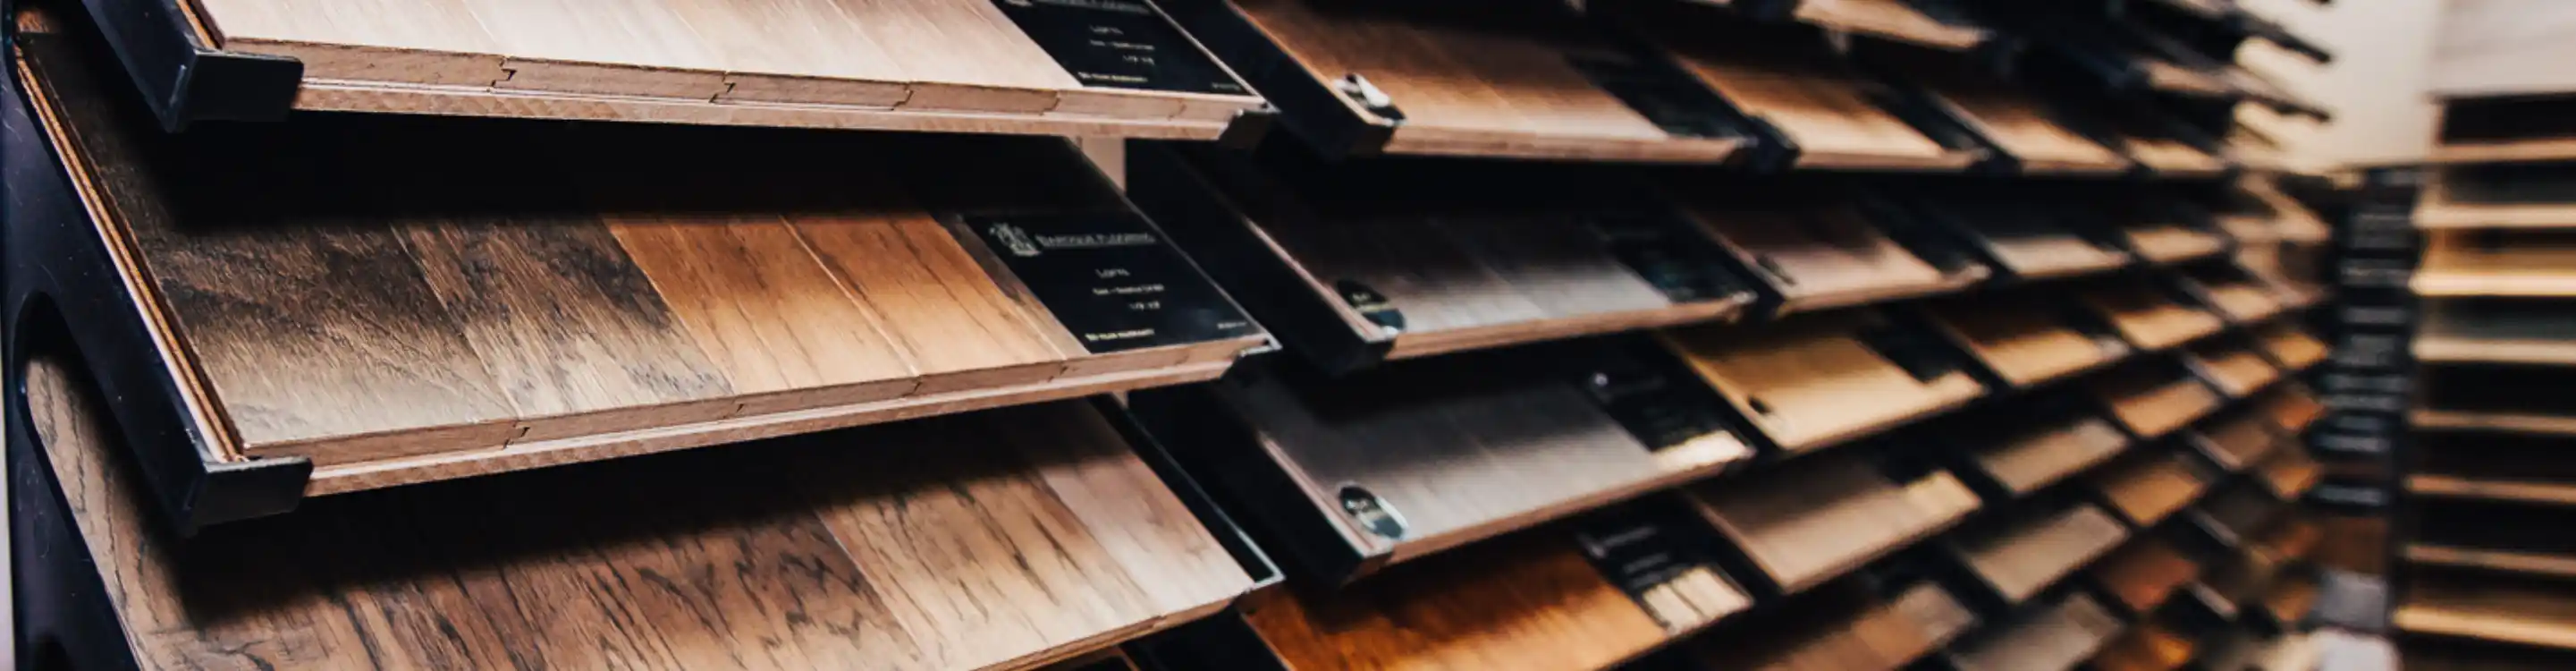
(2487, 580)
(1521, 335)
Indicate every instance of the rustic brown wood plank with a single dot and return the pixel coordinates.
(1828, 515)
(2023, 339)
(1797, 380)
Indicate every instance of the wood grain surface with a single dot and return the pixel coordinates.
(1849, 630)
(1892, 19)
(2024, 339)
(2234, 367)
(2147, 646)
(2054, 638)
(2233, 294)
(398, 297)
(2289, 407)
(2030, 241)
(1458, 454)
(2290, 345)
(2049, 450)
(1813, 382)
(2032, 551)
(1792, 80)
(2489, 607)
(1528, 602)
(2149, 317)
(1001, 540)
(2144, 572)
(1494, 84)
(2147, 486)
(858, 55)
(2237, 440)
(2011, 116)
(1829, 514)
(2498, 262)
(1816, 254)
(2151, 402)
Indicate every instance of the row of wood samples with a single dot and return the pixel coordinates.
(937, 65)
(410, 299)
(1363, 262)
(1006, 539)
(1357, 473)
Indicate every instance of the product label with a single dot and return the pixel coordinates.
(1123, 44)
(1111, 280)
(1677, 261)
(1664, 96)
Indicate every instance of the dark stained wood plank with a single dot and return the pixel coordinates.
(315, 336)
(2144, 572)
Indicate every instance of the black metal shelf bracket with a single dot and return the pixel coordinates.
(184, 78)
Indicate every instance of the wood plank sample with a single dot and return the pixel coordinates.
(1793, 81)
(2497, 262)
(2144, 572)
(2464, 330)
(2289, 407)
(2499, 399)
(2150, 402)
(2489, 607)
(2147, 315)
(1816, 253)
(1817, 381)
(2290, 472)
(2233, 293)
(2056, 638)
(1826, 515)
(2491, 537)
(2233, 367)
(1849, 630)
(2030, 552)
(927, 65)
(2009, 115)
(2148, 485)
(2290, 345)
(2024, 339)
(414, 299)
(2159, 234)
(1892, 19)
(2030, 241)
(1502, 83)
(1452, 451)
(2236, 440)
(2147, 646)
(794, 553)
(2519, 195)
(1526, 602)
(2050, 450)
(2281, 217)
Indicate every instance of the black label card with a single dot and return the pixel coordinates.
(1112, 280)
(1658, 406)
(1123, 44)
(1670, 575)
(1663, 95)
(1670, 256)
(1371, 305)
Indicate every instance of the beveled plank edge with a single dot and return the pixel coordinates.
(1886, 293)
(351, 96)
(2510, 561)
(1427, 140)
(1945, 161)
(2453, 349)
(1413, 344)
(344, 478)
(2468, 283)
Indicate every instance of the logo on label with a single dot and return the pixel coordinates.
(1374, 515)
(1018, 241)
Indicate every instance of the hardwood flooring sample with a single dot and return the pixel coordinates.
(2496, 331)
(2234, 367)
(1817, 381)
(2237, 440)
(2489, 607)
(1817, 254)
(2290, 472)
(2038, 455)
(1848, 630)
(2290, 345)
(2490, 49)
(2010, 116)
(2148, 316)
(1423, 273)
(2151, 401)
(1502, 83)
(2233, 294)
(2031, 242)
(1527, 602)
(2144, 572)
(2148, 646)
(2516, 195)
(1449, 453)
(795, 553)
(2031, 552)
(1893, 19)
(1793, 81)
(2289, 407)
(2052, 639)
(2160, 236)
(2149, 485)
(1826, 515)
(2023, 339)
(2497, 262)
(944, 64)
(417, 298)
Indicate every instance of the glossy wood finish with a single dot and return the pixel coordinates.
(2011, 116)
(2032, 551)
(1816, 253)
(1826, 515)
(1794, 82)
(1525, 603)
(2497, 262)
(2142, 574)
(1813, 382)
(2521, 195)
(1458, 452)
(2024, 339)
(1849, 630)
(793, 554)
(2151, 402)
(2148, 316)
(2054, 638)
(923, 65)
(2489, 607)
(2040, 455)
(1496, 84)
(2149, 485)
(415, 299)
(2290, 345)
(2237, 440)
(2290, 408)
(2499, 332)
(2283, 218)
(2234, 367)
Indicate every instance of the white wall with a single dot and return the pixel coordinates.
(2376, 85)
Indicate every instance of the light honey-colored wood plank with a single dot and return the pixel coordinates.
(2147, 487)
(2523, 611)
(1813, 382)
(2290, 345)
(1819, 255)
(2536, 563)
(2021, 340)
(2509, 422)
(1828, 515)
(1849, 632)
(2515, 196)
(2452, 487)
(1890, 19)
(2235, 368)
(2148, 317)
(2027, 556)
(2152, 403)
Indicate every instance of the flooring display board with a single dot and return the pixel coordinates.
(2026, 131)
(2151, 314)
(1357, 473)
(1816, 245)
(823, 551)
(1793, 381)
(1518, 78)
(2018, 448)
(410, 299)
(941, 65)
(2026, 338)
(1878, 622)
(1824, 516)
(2020, 231)
(1363, 262)
(2504, 195)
